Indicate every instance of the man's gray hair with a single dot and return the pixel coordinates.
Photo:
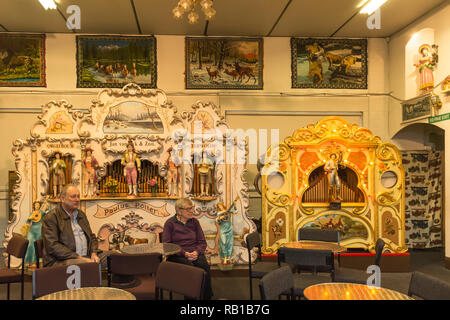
(65, 188)
(181, 203)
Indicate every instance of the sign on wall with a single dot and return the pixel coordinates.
(417, 108)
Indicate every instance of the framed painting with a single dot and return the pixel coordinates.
(224, 63)
(329, 63)
(417, 108)
(113, 61)
(22, 60)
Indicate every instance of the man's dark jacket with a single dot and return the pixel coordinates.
(59, 242)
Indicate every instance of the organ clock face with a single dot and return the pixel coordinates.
(206, 119)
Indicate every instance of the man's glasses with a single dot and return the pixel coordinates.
(188, 208)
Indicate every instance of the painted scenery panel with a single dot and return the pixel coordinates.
(113, 61)
(329, 63)
(133, 117)
(347, 227)
(22, 60)
(224, 63)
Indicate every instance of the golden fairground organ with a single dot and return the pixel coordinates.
(327, 162)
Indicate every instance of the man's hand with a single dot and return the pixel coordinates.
(85, 259)
(95, 258)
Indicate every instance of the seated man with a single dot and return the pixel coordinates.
(185, 231)
(68, 238)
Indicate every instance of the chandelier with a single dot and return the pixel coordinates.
(189, 6)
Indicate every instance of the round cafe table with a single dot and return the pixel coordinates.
(90, 293)
(351, 291)
(316, 245)
(166, 249)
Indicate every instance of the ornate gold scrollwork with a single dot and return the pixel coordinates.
(307, 211)
(363, 135)
(385, 152)
(284, 152)
(280, 199)
(344, 132)
(388, 198)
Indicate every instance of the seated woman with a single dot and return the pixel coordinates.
(185, 231)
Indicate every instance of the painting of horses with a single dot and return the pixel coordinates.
(329, 63)
(114, 61)
(22, 60)
(224, 63)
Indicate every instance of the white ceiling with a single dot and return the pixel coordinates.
(275, 18)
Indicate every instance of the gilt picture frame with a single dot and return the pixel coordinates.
(22, 60)
(327, 63)
(224, 63)
(114, 61)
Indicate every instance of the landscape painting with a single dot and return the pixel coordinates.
(347, 227)
(22, 60)
(133, 117)
(113, 61)
(224, 63)
(329, 63)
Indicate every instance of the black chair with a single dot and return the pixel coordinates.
(307, 260)
(183, 279)
(260, 268)
(17, 247)
(53, 279)
(359, 276)
(428, 287)
(277, 283)
(142, 267)
(320, 235)
(39, 251)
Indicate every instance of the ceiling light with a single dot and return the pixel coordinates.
(48, 4)
(189, 6)
(371, 6)
(193, 17)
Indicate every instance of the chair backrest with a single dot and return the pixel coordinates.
(17, 246)
(253, 240)
(307, 257)
(318, 235)
(59, 278)
(428, 287)
(133, 264)
(181, 278)
(276, 282)
(38, 249)
(379, 245)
